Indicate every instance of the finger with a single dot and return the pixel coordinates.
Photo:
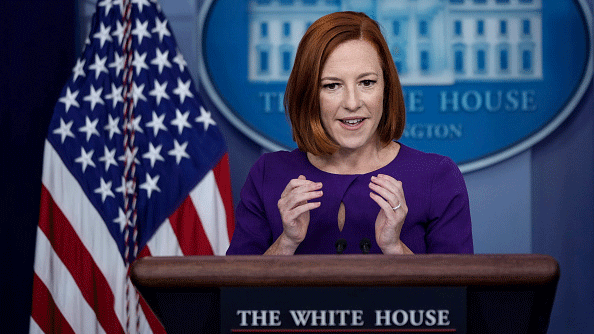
(299, 192)
(384, 205)
(388, 182)
(391, 184)
(299, 210)
(295, 183)
(392, 198)
(300, 182)
(294, 199)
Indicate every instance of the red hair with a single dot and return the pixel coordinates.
(302, 101)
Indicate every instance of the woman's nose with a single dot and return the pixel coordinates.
(352, 99)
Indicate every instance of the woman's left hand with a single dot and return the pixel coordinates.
(389, 195)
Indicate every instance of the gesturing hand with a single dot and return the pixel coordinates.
(294, 209)
(389, 195)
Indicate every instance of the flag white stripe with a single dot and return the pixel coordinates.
(62, 286)
(211, 210)
(34, 328)
(164, 242)
(88, 225)
(144, 325)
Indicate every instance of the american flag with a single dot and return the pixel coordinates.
(134, 165)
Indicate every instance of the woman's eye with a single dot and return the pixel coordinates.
(367, 83)
(331, 86)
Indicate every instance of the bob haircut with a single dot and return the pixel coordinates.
(302, 99)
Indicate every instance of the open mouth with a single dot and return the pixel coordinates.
(352, 122)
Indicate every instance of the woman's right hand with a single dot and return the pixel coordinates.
(294, 207)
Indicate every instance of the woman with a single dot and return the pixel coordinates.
(348, 178)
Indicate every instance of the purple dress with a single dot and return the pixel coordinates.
(438, 219)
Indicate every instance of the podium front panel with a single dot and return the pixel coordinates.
(503, 293)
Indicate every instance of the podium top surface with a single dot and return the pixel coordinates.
(346, 270)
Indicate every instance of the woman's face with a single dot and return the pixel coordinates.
(352, 95)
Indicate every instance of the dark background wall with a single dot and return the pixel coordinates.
(37, 53)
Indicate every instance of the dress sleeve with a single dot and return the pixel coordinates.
(252, 234)
(449, 230)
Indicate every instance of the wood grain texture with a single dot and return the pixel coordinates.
(502, 270)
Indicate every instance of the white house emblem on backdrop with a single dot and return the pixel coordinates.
(433, 42)
(481, 79)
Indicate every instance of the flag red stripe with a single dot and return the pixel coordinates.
(84, 251)
(73, 253)
(189, 231)
(151, 318)
(222, 175)
(45, 312)
(145, 251)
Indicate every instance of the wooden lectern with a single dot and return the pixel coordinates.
(505, 293)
